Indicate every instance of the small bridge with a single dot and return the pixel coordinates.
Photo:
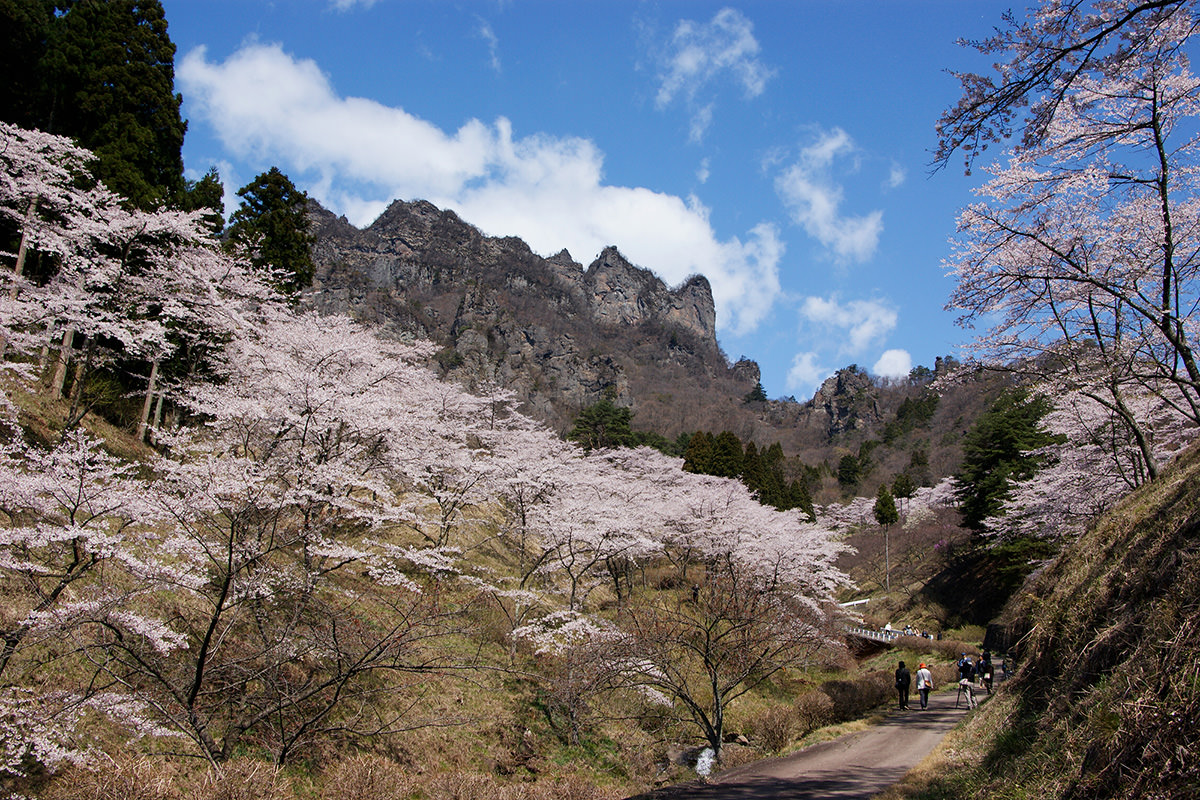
(886, 637)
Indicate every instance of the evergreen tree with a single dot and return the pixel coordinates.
(602, 425)
(752, 474)
(903, 486)
(996, 452)
(918, 466)
(698, 457)
(24, 29)
(727, 456)
(849, 472)
(109, 69)
(799, 497)
(208, 193)
(885, 507)
(273, 223)
(756, 395)
(887, 516)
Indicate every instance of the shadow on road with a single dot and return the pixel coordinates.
(852, 767)
(844, 785)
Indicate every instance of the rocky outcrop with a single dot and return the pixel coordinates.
(847, 400)
(621, 294)
(560, 336)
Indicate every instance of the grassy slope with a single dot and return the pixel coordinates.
(1107, 701)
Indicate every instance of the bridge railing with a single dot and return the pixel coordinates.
(874, 634)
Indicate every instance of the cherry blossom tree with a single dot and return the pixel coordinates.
(1082, 259)
(1096, 462)
(740, 629)
(1039, 61)
(602, 512)
(115, 283)
(286, 505)
(77, 548)
(576, 665)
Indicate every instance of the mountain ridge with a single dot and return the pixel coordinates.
(563, 337)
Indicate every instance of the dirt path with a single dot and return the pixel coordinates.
(853, 767)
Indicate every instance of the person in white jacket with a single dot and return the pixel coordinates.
(924, 685)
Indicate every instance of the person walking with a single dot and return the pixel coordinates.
(985, 671)
(903, 682)
(924, 685)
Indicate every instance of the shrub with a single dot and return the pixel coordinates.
(366, 777)
(773, 729)
(813, 710)
(119, 779)
(243, 779)
(852, 699)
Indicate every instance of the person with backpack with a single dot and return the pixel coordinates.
(985, 671)
(924, 685)
(966, 668)
(903, 682)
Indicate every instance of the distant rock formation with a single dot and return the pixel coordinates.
(560, 336)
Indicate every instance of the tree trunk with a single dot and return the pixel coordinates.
(150, 385)
(82, 369)
(60, 367)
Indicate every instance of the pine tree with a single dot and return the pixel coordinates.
(752, 471)
(273, 224)
(849, 471)
(887, 516)
(756, 395)
(109, 69)
(996, 453)
(206, 194)
(24, 29)
(699, 455)
(603, 425)
(727, 455)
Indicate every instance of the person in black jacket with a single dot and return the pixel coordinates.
(903, 682)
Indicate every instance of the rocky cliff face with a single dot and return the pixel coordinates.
(560, 336)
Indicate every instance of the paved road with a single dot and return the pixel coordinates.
(853, 767)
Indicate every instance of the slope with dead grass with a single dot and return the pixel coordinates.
(1106, 703)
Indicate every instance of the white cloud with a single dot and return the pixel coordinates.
(703, 172)
(897, 176)
(806, 374)
(493, 42)
(864, 321)
(346, 5)
(834, 330)
(814, 199)
(893, 364)
(356, 155)
(701, 120)
(701, 54)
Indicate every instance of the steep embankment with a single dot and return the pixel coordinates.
(1107, 700)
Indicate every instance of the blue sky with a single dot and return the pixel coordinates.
(779, 148)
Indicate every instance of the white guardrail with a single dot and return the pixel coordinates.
(875, 635)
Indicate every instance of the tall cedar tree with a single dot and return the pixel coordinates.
(698, 457)
(107, 79)
(727, 455)
(272, 222)
(996, 452)
(24, 29)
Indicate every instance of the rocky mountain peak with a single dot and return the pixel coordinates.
(624, 294)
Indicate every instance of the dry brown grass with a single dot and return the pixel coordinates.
(121, 778)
